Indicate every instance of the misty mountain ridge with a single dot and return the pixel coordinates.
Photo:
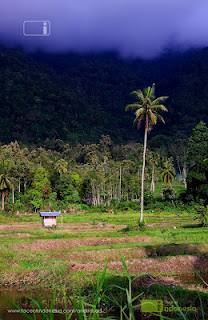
(77, 98)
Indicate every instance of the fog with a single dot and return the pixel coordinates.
(135, 28)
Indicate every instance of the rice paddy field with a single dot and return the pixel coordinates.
(171, 250)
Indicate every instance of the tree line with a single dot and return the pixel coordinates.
(92, 174)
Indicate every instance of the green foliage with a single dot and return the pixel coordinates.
(203, 213)
(111, 181)
(198, 143)
(67, 187)
(125, 206)
(168, 172)
(197, 178)
(168, 194)
(148, 198)
(40, 188)
(142, 225)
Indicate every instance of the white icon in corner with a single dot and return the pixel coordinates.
(45, 29)
(35, 28)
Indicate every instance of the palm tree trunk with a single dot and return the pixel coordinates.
(2, 206)
(143, 169)
(179, 167)
(152, 188)
(169, 181)
(120, 185)
(13, 195)
(185, 175)
(25, 184)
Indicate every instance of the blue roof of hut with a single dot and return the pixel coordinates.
(50, 214)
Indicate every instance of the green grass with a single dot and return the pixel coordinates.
(17, 264)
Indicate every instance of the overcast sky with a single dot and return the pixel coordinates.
(136, 28)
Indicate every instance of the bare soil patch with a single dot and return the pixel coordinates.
(90, 227)
(16, 235)
(180, 264)
(52, 245)
(66, 227)
(17, 226)
(170, 223)
(147, 281)
(129, 253)
(100, 256)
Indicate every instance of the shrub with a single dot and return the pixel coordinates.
(203, 212)
(186, 197)
(168, 194)
(148, 198)
(141, 225)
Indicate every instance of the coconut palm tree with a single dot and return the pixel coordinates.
(168, 174)
(5, 187)
(61, 166)
(147, 108)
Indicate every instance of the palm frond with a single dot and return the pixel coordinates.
(159, 107)
(159, 117)
(5, 183)
(134, 105)
(139, 94)
(152, 117)
(146, 91)
(139, 112)
(148, 100)
(159, 99)
(152, 92)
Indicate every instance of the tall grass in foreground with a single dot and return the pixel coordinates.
(127, 307)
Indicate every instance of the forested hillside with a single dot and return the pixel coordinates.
(78, 98)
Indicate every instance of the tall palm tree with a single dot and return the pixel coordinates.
(168, 173)
(5, 186)
(147, 108)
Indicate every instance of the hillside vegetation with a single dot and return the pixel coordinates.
(78, 98)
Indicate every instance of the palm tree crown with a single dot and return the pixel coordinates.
(168, 173)
(61, 166)
(5, 186)
(147, 107)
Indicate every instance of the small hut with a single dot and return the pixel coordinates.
(49, 218)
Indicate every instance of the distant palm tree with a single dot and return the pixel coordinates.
(147, 108)
(61, 166)
(168, 174)
(15, 183)
(5, 186)
(154, 159)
